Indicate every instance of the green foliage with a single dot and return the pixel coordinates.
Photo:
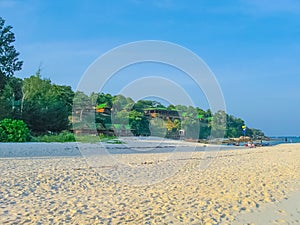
(189, 121)
(140, 105)
(64, 136)
(234, 127)
(158, 127)
(139, 123)
(109, 139)
(218, 124)
(45, 106)
(13, 131)
(121, 117)
(10, 99)
(105, 98)
(256, 133)
(9, 62)
(6, 102)
(119, 103)
(86, 138)
(101, 138)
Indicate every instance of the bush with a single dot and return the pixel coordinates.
(13, 131)
(64, 136)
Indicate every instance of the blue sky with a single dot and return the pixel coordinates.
(252, 46)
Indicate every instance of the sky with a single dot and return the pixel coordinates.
(251, 46)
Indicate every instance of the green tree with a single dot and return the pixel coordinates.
(139, 123)
(140, 105)
(105, 98)
(120, 109)
(234, 127)
(158, 127)
(129, 105)
(9, 62)
(60, 99)
(257, 134)
(46, 107)
(6, 102)
(189, 121)
(93, 98)
(10, 99)
(218, 127)
(119, 103)
(171, 107)
(83, 110)
(81, 103)
(121, 117)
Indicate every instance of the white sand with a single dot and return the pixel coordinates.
(286, 211)
(161, 188)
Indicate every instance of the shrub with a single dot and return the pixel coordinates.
(64, 136)
(13, 131)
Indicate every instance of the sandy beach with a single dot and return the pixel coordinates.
(178, 187)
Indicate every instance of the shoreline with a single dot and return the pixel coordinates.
(130, 146)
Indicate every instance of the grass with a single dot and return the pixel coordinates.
(66, 136)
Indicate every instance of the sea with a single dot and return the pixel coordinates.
(276, 141)
(283, 140)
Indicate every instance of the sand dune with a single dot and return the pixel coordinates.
(162, 188)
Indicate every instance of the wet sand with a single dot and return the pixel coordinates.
(179, 187)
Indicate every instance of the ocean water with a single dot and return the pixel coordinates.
(276, 141)
(282, 140)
